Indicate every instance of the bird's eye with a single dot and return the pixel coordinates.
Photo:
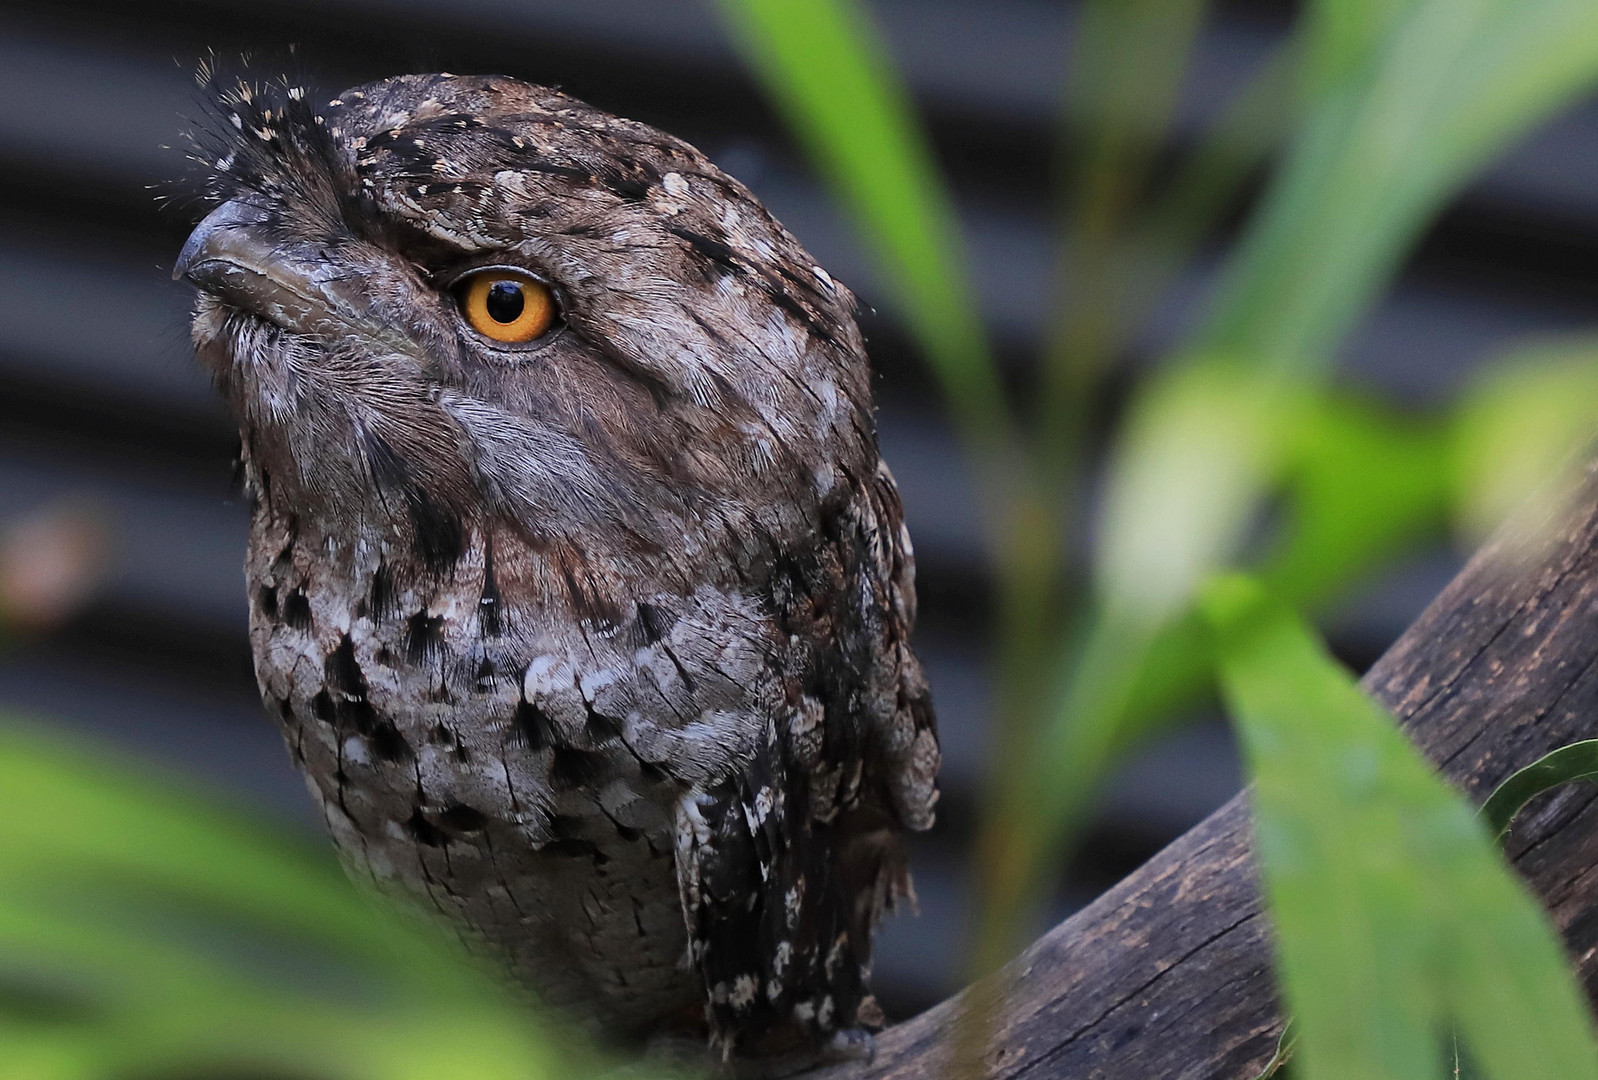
(507, 306)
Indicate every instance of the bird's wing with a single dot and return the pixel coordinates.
(785, 867)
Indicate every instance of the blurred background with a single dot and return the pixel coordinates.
(116, 461)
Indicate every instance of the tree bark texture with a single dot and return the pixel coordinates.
(1168, 975)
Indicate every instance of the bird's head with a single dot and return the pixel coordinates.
(437, 300)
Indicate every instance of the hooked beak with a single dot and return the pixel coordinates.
(232, 256)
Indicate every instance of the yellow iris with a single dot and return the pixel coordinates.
(507, 306)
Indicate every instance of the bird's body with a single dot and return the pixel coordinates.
(597, 641)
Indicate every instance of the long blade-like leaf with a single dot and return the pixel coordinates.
(1578, 761)
(1445, 86)
(1394, 911)
(147, 932)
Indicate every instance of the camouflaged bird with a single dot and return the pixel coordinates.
(576, 580)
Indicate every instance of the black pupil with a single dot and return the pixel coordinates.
(505, 301)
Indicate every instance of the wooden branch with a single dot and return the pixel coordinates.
(1169, 975)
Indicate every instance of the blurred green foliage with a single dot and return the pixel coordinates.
(149, 933)
(1377, 111)
(145, 933)
(1397, 919)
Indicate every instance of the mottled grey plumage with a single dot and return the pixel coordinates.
(600, 643)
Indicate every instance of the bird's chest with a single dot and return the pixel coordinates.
(484, 760)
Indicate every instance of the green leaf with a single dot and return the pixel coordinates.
(1447, 83)
(144, 931)
(1402, 114)
(1395, 913)
(1341, 36)
(1516, 424)
(828, 73)
(1405, 116)
(1284, 1053)
(1196, 451)
(1361, 484)
(1578, 761)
